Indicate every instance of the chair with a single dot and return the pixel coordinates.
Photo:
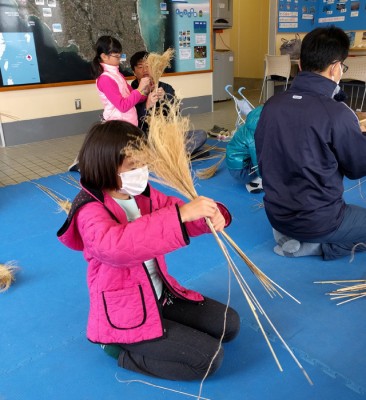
(242, 105)
(277, 69)
(355, 77)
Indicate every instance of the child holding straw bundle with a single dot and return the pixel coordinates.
(118, 97)
(138, 311)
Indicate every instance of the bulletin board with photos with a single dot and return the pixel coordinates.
(305, 15)
(50, 42)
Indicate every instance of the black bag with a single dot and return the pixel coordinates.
(291, 47)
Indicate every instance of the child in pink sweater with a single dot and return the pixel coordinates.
(117, 96)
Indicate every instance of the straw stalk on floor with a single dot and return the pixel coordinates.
(347, 292)
(64, 204)
(209, 172)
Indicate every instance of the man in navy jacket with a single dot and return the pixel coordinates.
(195, 138)
(306, 143)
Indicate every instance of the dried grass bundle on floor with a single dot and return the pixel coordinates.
(165, 154)
(7, 277)
(63, 202)
(70, 180)
(197, 156)
(158, 63)
(347, 292)
(208, 148)
(209, 172)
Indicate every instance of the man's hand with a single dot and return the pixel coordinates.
(152, 98)
(161, 93)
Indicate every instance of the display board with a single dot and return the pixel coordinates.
(51, 41)
(305, 15)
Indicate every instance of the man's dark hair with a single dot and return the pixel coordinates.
(322, 47)
(138, 57)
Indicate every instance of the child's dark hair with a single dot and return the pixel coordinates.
(106, 45)
(103, 152)
(138, 57)
(323, 46)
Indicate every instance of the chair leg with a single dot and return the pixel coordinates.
(358, 91)
(363, 98)
(262, 91)
(351, 100)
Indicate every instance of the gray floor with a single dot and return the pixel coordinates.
(36, 160)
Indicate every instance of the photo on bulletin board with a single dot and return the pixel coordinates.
(46, 42)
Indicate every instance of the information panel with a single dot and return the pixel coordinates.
(305, 15)
(18, 58)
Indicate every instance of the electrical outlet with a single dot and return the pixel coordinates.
(77, 104)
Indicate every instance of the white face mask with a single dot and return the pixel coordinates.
(134, 182)
(341, 68)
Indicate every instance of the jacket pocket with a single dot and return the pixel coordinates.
(125, 308)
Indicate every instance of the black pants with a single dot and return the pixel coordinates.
(193, 333)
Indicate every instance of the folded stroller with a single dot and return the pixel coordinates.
(242, 105)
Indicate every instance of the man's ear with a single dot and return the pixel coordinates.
(330, 71)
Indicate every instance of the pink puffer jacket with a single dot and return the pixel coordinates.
(123, 304)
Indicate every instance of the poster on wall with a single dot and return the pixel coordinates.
(305, 15)
(51, 41)
(190, 29)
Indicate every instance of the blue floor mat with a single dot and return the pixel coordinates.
(44, 352)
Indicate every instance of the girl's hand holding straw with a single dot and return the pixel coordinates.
(203, 207)
(144, 85)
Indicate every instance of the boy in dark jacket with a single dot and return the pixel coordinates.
(306, 143)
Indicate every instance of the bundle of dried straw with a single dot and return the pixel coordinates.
(350, 290)
(64, 204)
(158, 63)
(209, 172)
(7, 277)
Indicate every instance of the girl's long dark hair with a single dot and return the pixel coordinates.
(103, 152)
(106, 45)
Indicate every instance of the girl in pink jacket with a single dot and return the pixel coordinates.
(117, 96)
(138, 311)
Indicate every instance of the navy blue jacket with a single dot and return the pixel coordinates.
(306, 143)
